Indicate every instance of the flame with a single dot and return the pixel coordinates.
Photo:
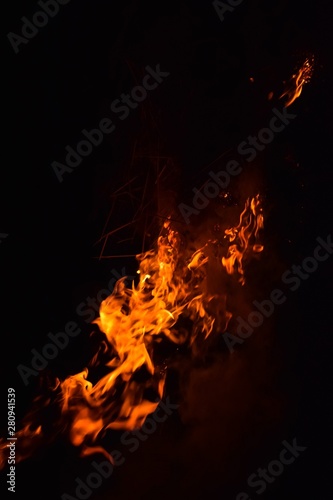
(298, 80)
(174, 283)
(178, 280)
(251, 221)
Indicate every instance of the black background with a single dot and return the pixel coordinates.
(62, 81)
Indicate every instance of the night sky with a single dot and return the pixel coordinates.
(223, 79)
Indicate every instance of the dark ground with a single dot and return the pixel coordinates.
(235, 412)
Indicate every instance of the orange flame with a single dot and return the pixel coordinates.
(173, 283)
(251, 221)
(298, 80)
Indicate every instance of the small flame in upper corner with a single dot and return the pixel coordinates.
(298, 79)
